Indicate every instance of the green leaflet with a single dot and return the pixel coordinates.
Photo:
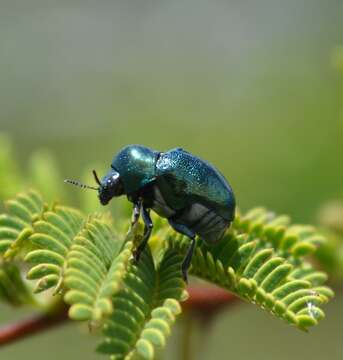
(259, 260)
(52, 236)
(288, 241)
(16, 224)
(96, 265)
(145, 308)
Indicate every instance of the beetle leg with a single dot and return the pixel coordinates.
(147, 232)
(183, 229)
(136, 212)
(188, 260)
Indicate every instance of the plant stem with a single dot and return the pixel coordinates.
(205, 299)
(208, 300)
(36, 324)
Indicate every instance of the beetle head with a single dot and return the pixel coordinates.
(109, 187)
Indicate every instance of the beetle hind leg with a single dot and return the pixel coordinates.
(183, 229)
(188, 260)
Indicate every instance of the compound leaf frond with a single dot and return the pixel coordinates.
(145, 308)
(96, 265)
(16, 224)
(261, 260)
(51, 237)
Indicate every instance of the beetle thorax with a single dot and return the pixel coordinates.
(136, 166)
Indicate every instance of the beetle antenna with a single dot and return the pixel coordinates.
(96, 178)
(79, 184)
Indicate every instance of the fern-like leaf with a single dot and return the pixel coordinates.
(95, 267)
(260, 260)
(16, 224)
(145, 308)
(52, 236)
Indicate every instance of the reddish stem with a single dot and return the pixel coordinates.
(206, 300)
(27, 327)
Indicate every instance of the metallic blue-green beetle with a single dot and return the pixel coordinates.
(194, 197)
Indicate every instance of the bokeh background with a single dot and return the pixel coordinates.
(251, 86)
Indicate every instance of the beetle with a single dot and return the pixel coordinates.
(189, 192)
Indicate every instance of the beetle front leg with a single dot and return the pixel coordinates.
(147, 232)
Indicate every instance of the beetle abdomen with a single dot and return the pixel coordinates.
(199, 218)
(203, 221)
(159, 204)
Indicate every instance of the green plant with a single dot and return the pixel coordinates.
(83, 263)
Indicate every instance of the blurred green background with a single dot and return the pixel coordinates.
(248, 85)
